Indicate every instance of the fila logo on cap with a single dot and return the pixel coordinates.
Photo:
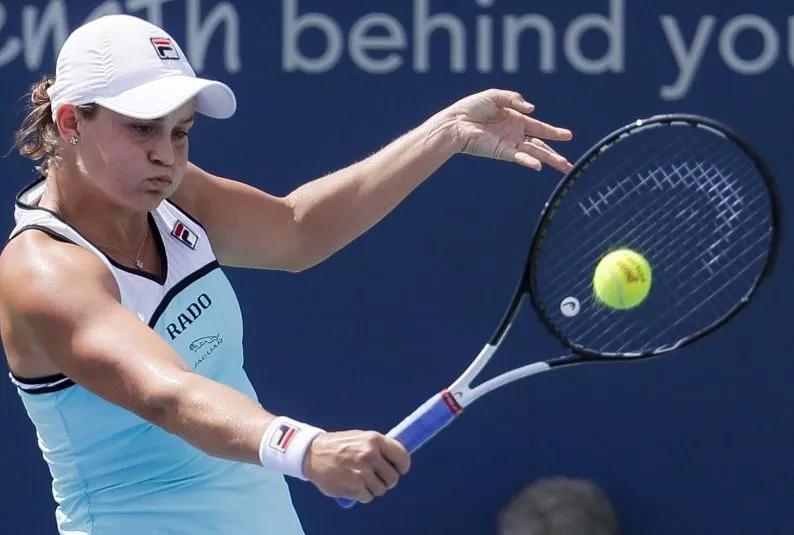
(184, 235)
(165, 48)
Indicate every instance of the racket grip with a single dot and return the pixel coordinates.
(426, 421)
(420, 426)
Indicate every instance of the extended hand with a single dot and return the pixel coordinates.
(359, 465)
(494, 124)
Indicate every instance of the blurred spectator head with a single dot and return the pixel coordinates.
(559, 506)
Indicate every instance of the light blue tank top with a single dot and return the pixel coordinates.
(114, 473)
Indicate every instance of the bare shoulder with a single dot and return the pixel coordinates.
(46, 286)
(60, 312)
(35, 269)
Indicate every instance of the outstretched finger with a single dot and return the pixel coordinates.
(540, 143)
(522, 157)
(511, 99)
(545, 154)
(554, 158)
(535, 128)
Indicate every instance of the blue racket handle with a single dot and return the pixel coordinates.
(422, 425)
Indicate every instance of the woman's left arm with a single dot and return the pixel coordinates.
(250, 228)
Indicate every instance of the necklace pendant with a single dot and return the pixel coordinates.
(139, 264)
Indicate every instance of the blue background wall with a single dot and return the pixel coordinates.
(698, 442)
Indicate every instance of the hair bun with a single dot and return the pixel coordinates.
(38, 95)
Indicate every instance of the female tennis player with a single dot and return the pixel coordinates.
(124, 337)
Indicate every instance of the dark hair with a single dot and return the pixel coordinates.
(37, 137)
(557, 506)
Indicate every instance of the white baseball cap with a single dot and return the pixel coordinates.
(132, 67)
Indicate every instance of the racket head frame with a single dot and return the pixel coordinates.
(528, 282)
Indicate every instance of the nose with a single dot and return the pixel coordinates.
(162, 151)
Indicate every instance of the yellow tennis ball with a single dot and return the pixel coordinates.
(622, 279)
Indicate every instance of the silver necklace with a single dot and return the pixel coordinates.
(137, 257)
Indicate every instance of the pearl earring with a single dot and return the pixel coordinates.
(74, 140)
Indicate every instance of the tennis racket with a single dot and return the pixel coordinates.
(687, 193)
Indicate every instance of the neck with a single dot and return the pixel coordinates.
(94, 213)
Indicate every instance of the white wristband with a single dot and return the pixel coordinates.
(284, 445)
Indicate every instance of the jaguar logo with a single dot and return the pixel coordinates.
(198, 343)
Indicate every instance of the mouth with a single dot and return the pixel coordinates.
(160, 181)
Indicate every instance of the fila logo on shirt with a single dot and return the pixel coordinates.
(184, 234)
(282, 437)
(165, 48)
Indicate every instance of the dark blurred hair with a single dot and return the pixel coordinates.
(37, 137)
(559, 506)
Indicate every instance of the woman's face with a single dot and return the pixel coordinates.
(136, 163)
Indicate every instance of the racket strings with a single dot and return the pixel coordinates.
(596, 240)
(689, 241)
(631, 334)
(628, 169)
(629, 222)
(693, 203)
(678, 320)
(605, 326)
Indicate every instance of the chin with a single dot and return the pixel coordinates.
(151, 199)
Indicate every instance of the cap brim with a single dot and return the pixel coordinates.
(160, 97)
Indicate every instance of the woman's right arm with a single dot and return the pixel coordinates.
(64, 304)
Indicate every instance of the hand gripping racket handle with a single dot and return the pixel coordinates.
(422, 425)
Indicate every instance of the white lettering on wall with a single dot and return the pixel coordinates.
(154, 10)
(613, 27)
(40, 28)
(13, 45)
(361, 43)
(36, 31)
(769, 51)
(529, 42)
(293, 26)
(513, 28)
(431, 28)
(106, 8)
(484, 38)
(200, 33)
(425, 25)
(687, 59)
(430, 39)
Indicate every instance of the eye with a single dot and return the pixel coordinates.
(142, 129)
(180, 134)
